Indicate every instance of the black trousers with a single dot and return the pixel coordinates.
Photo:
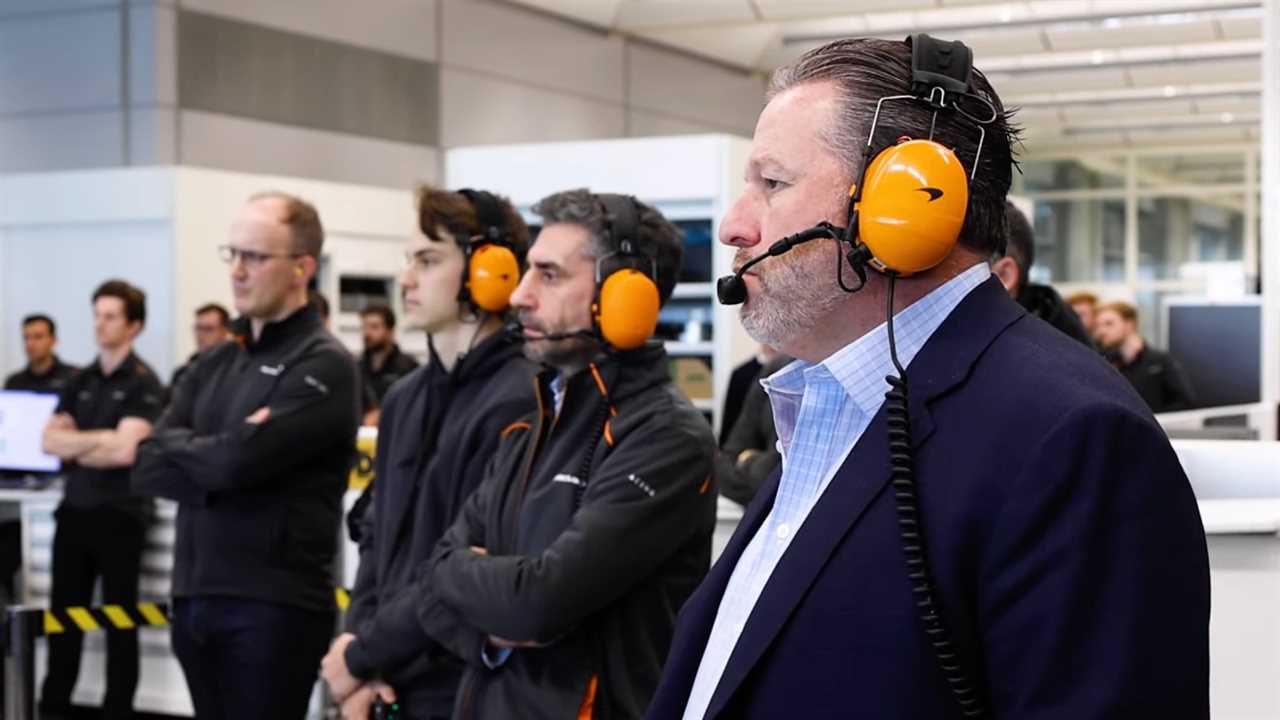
(248, 659)
(89, 544)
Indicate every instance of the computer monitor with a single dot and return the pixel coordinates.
(22, 419)
(1219, 345)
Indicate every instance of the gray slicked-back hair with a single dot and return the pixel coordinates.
(867, 69)
(658, 238)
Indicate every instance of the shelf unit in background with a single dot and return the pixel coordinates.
(691, 178)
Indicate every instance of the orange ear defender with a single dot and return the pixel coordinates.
(625, 310)
(492, 270)
(914, 198)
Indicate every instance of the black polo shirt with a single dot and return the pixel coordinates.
(99, 402)
(1160, 380)
(378, 382)
(54, 380)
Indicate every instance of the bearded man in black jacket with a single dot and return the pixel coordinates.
(559, 582)
(439, 426)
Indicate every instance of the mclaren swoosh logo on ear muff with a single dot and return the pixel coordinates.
(934, 193)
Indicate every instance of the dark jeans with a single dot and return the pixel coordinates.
(247, 659)
(89, 544)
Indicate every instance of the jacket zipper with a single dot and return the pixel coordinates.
(528, 467)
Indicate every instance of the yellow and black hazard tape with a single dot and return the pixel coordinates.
(107, 617)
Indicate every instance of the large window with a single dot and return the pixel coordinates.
(1080, 240)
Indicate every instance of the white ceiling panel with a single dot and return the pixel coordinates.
(600, 13)
(1188, 136)
(1240, 28)
(1234, 105)
(742, 46)
(1232, 71)
(1151, 34)
(1063, 81)
(641, 14)
(1151, 108)
(796, 9)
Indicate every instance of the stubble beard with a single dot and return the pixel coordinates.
(796, 293)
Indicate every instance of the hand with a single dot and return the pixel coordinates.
(371, 418)
(357, 706)
(259, 416)
(476, 549)
(333, 668)
(62, 421)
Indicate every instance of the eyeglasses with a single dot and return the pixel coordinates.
(250, 258)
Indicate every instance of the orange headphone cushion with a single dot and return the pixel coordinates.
(492, 276)
(627, 313)
(914, 198)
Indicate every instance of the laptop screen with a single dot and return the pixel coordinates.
(22, 419)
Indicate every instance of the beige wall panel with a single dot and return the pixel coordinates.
(481, 110)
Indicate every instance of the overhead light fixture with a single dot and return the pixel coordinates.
(1170, 91)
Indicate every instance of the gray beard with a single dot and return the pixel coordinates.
(793, 298)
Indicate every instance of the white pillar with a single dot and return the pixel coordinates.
(1270, 241)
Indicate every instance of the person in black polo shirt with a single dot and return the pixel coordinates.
(101, 526)
(212, 326)
(255, 447)
(44, 372)
(382, 362)
(1156, 375)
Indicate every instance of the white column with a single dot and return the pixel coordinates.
(1270, 240)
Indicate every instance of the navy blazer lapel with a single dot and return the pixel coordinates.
(944, 362)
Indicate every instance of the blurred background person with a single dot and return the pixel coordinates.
(255, 447)
(101, 524)
(1014, 271)
(1085, 305)
(740, 382)
(1155, 374)
(45, 372)
(750, 454)
(382, 363)
(212, 326)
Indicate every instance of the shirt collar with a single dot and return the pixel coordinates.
(861, 366)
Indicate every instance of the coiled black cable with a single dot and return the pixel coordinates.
(902, 475)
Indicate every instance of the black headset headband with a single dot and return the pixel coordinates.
(621, 222)
(939, 65)
(488, 212)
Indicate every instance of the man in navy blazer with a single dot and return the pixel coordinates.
(1065, 545)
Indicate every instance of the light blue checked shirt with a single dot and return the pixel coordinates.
(820, 412)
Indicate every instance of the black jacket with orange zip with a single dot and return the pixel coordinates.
(596, 526)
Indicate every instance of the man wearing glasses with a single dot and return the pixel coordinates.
(255, 447)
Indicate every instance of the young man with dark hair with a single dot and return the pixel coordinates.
(1085, 305)
(44, 372)
(104, 413)
(1014, 272)
(1008, 534)
(439, 428)
(558, 583)
(255, 447)
(1156, 375)
(382, 363)
(212, 326)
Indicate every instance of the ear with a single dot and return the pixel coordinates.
(1007, 270)
(305, 268)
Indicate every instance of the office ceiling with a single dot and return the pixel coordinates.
(1085, 73)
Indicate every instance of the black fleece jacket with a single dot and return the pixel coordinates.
(595, 536)
(259, 504)
(437, 432)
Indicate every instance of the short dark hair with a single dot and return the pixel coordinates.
(1021, 239)
(382, 310)
(657, 237)
(224, 317)
(454, 212)
(867, 69)
(302, 219)
(134, 299)
(41, 317)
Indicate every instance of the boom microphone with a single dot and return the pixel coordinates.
(732, 289)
